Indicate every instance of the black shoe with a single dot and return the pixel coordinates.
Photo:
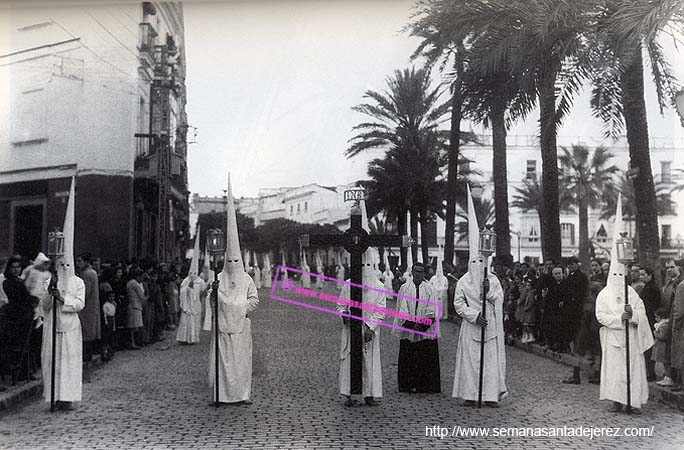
(370, 401)
(350, 402)
(469, 403)
(572, 380)
(615, 407)
(492, 404)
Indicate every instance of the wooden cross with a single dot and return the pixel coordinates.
(356, 241)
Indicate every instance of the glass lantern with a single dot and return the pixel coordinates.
(216, 242)
(55, 244)
(487, 245)
(625, 249)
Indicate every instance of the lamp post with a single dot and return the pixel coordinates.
(487, 244)
(55, 251)
(625, 255)
(216, 246)
(518, 234)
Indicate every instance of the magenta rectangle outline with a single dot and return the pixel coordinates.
(342, 314)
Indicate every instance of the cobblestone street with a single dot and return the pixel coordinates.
(160, 399)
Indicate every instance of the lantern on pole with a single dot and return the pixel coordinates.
(625, 249)
(55, 244)
(55, 251)
(215, 246)
(487, 244)
(625, 255)
(486, 247)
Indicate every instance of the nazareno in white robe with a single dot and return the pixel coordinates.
(235, 338)
(609, 309)
(372, 367)
(440, 285)
(69, 345)
(468, 304)
(190, 322)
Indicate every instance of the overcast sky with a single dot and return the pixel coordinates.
(271, 85)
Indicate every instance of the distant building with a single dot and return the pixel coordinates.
(96, 93)
(524, 163)
(312, 203)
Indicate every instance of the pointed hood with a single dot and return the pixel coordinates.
(616, 274)
(233, 267)
(65, 266)
(305, 266)
(475, 259)
(206, 264)
(409, 254)
(319, 262)
(367, 259)
(439, 281)
(194, 263)
(419, 236)
(267, 261)
(439, 270)
(385, 259)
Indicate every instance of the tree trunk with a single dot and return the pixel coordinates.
(502, 226)
(550, 220)
(414, 235)
(424, 247)
(402, 226)
(584, 256)
(636, 123)
(452, 168)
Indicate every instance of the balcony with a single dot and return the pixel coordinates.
(148, 42)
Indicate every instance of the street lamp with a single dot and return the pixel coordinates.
(477, 191)
(518, 234)
(625, 255)
(55, 251)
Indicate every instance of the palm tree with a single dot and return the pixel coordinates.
(538, 42)
(530, 197)
(496, 101)
(440, 45)
(621, 32)
(406, 120)
(664, 204)
(586, 175)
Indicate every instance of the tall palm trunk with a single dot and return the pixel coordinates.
(636, 123)
(424, 247)
(550, 220)
(414, 234)
(502, 226)
(402, 225)
(452, 168)
(584, 256)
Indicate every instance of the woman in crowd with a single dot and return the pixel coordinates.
(18, 321)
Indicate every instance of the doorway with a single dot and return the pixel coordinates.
(28, 227)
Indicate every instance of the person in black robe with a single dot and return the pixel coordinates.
(418, 368)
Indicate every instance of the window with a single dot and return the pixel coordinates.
(568, 233)
(533, 236)
(29, 110)
(531, 169)
(601, 235)
(665, 236)
(306, 206)
(298, 208)
(291, 209)
(666, 171)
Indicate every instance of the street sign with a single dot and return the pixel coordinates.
(354, 195)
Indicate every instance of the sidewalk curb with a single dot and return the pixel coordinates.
(18, 394)
(657, 393)
(28, 391)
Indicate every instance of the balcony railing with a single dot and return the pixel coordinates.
(148, 38)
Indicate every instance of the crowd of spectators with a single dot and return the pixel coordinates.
(128, 305)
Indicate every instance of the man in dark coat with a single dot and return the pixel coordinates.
(90, 314)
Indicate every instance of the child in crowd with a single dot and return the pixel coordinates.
(661, 333)
(527, 309)
(109, 326)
